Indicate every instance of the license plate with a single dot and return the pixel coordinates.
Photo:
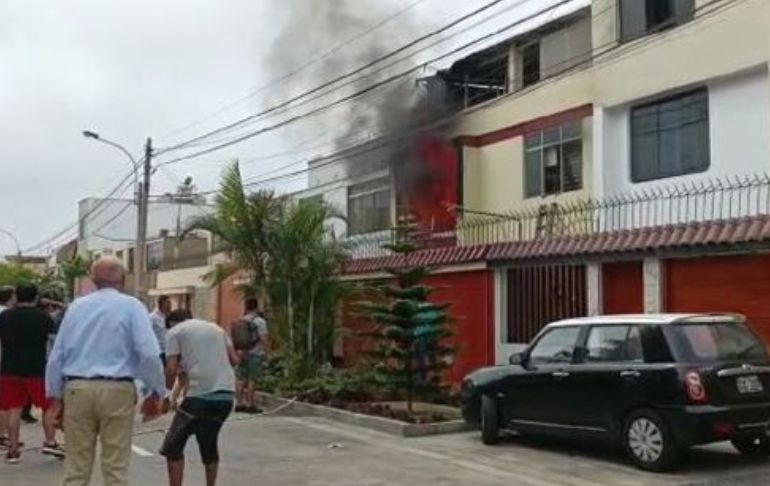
(749, 384)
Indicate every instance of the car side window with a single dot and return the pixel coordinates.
(557, 346)
(614, 344)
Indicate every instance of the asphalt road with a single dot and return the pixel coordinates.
(306, 451)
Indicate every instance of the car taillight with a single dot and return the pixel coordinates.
(696, 392)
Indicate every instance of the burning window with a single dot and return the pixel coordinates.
(553, 160)
(640, 17)
(369, 206)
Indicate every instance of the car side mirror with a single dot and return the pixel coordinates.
(517, 359)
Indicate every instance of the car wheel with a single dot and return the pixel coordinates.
(756, 447)
(490, 421)
(649, 442)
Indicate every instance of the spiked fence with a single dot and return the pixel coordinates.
(697, 201)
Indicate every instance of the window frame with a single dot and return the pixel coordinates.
(542, 146)
(674, 21)
(584, 354)
(578, 340)
(635, 178)
(383, 187)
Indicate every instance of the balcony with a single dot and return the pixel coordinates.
(710, 212)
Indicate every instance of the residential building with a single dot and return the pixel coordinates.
(612, 157)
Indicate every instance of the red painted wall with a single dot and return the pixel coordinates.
(722, 284)
(623, 288)
(471, 294)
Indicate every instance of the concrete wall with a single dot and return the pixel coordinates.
(494, 175)
(739, 131)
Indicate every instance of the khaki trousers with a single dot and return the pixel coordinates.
(102, 410)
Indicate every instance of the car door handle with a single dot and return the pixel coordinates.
(560, 374)
(630, 374)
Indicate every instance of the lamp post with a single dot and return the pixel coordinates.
(15, 241)
(142, 201)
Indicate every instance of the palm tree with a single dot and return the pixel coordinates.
(301, 262)
(243, 222)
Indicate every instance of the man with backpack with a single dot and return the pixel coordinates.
(249, 336)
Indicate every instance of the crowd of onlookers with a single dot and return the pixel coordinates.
(87, 366)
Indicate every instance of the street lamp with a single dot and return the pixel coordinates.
(141, 201)
(15, 241)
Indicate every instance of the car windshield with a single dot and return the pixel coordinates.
(709, 342)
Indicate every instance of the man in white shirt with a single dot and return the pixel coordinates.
(201, 357)
(158, 318)
(105, 342)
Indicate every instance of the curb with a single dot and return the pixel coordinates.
(381, 424)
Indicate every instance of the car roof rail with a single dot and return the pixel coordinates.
(694, 317)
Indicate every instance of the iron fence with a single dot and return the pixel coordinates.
(694, 201)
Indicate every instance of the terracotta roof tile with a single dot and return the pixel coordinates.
(744, 230)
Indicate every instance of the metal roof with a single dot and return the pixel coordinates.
(650, 319)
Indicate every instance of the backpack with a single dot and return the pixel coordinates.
(244, 333)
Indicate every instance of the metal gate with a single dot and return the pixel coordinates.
(538, 295)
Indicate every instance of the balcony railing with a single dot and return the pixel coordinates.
(698, 201)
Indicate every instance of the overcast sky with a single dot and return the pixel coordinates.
(129, 70)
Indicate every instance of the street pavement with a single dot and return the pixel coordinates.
(272, 451)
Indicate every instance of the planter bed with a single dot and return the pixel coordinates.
(368, 415)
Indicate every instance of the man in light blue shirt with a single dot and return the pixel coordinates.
(104, 343)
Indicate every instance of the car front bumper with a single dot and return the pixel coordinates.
(702, 424)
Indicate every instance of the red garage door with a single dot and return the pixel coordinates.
(722, 284)
(623, 288)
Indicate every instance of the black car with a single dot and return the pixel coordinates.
(656, 384)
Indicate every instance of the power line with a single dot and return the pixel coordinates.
(588, 56)
(346, 75)
(361, 92)
(336, 48)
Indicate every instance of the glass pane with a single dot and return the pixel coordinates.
(644, 157)
(572, 166)
(633, 19)
(552, 163)
(606, 344)
(571, 130)
(533, 173)
(552, 136)
(634, 348)
(558, 346)
(533, 140)
(721, 342)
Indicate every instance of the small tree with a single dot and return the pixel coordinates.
(410, 332)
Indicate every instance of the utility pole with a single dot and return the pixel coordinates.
(143, 202)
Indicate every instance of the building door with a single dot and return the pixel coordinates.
(623, 288)
(722, 284)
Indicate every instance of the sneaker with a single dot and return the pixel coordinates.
(254, 410)
(53, 450)
(13, 457)
(241, 409)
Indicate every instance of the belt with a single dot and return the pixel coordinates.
(99, 378)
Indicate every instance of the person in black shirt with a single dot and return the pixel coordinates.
(24, 331)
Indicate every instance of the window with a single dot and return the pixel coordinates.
(558, 346)
(640, 17)
(720, 342)
(530, 64)
(614, 344)
(369, 206)
(670, 137)
(553, 160)
(154, 255)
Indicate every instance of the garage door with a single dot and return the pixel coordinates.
(623, 288)
(722, 284)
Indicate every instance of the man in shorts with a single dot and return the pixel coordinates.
(200, 358)
(24, 331)
(252, 360)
